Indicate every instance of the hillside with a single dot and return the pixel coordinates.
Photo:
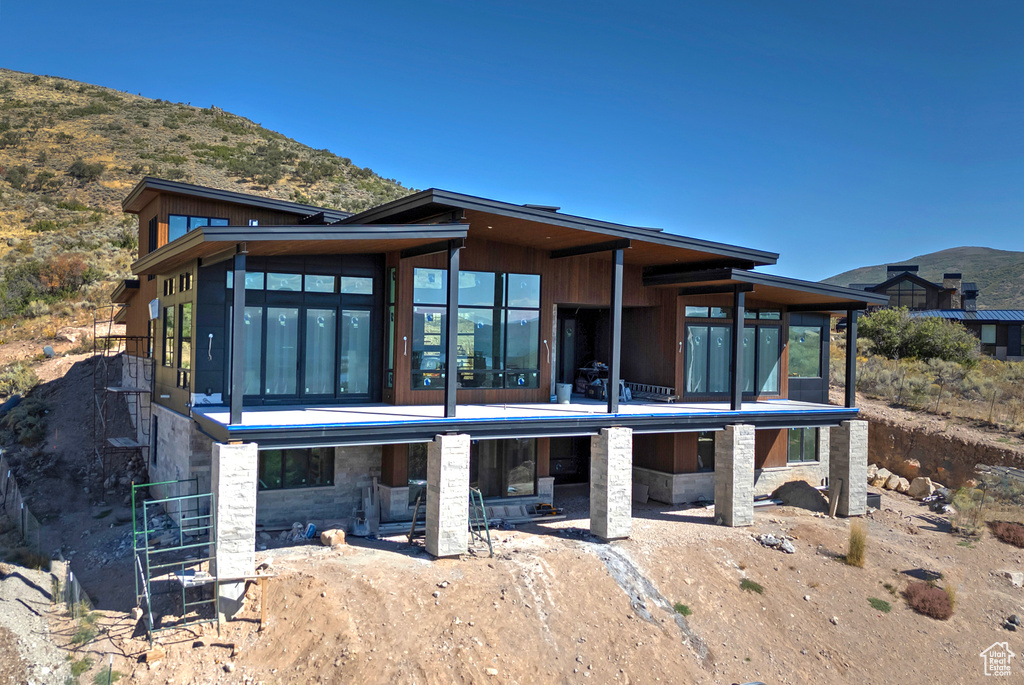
(70, 151)
(998, 273)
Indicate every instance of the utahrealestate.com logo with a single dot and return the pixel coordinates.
(997, 659)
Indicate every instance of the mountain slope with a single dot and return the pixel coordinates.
(70, 151)
(998, 273)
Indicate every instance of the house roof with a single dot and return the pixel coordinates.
(547, 228)
(125, 290)
(795, 293)
(146, 189)
(988, 315)
(904, 276)
(216, 242)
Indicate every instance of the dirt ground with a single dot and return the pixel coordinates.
(555, 606)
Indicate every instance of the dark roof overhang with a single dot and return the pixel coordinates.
(435, 203)
(149, 187)
(212, 241)
(125, 290)
(796, 294)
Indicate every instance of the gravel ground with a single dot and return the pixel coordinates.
(27, 651)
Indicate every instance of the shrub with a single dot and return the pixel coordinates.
(86, 172)
(1010, 533)
(17, 176)
(26, 423)
(879, 605)
(896, 334)
(750, 586)
(45, 226)
(73, 205)
(106, 676)
(79, 667)
(857, 549)
(682, 609)
(929, 600)
(18, 378)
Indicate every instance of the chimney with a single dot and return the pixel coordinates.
(954, 281)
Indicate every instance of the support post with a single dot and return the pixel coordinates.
(614, 364)
(734, 475)
(447, 532)
(451, 376)
(736, 359)
(233, 475)
(851, 358)
(611, 483)
(848, 462)
(237, 389)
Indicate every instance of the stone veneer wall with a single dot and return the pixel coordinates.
(734, 475)
(355, 467)
(611, 483)
(182, 451)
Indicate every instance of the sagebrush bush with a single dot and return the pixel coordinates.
(18, 378)
(895, 334)
(1010, 533)
(929, 600)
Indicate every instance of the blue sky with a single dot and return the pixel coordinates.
(837, 133)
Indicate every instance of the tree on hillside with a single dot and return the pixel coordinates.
(897, 335)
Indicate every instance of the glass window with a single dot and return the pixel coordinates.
(282, 350)
(768, 359)
(520, 467)
(523, 290)
(697, 312)
(770, 314)
(988, 335)
(417, 472)
(805, 351)
(803, 445)
(721, 312)
(321, 331)
(289, 282)
(430, 286)
(428, 333)
(253, 324)
(351, 285)
(476, 289)
(296, 468)
(169, 336)
(185, 357)
(523, 335)
(197, 221)
(218, 222)
(319, 284)
(719, 347)
(696, 359)
(706, 451)
(177, 226)
(504, 468)
(749, 313)
(480, 347)
(355, 352)
(749, 358)
(254, 280)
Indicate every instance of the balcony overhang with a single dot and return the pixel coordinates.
(795, 294)
(210, 242)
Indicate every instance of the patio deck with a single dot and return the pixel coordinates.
(286, 426)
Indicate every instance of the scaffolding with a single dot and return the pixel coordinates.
(175, 545)
(122, 382)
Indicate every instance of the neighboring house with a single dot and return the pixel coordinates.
(999, 330)
(905, 288)
(301, 354)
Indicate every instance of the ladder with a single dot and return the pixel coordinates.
(479, 530)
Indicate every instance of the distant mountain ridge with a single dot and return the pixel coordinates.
(998, 273)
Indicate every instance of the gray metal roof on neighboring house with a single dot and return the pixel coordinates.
(993, 315)
(969, 286)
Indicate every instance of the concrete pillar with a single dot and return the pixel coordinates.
(734, 475)
(611, 483)
(233, 475)
(448, 495)
(848, 461)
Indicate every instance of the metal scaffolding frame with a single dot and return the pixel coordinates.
(175, 564)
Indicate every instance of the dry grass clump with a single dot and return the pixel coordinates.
(1010, 533)
(858, 545)
(929, 600)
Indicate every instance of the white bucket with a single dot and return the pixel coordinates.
(563, 391)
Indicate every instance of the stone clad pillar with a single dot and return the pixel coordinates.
(848, 461)
(734, 475)
(448, 495)
(233, 474)
(611, 483)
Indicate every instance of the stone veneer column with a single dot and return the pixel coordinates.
(848, 461)
(448, 495)
(734, 475)
(611, 483)
(233, 476)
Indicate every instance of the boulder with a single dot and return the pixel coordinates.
(910, 468)
(881, 476)
(1016, 578)
(872, 470)
(903, 486)
(798, 493)
(921, 487)
(332, 537)
(893, 482)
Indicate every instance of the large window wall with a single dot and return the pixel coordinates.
(907, 294)
(313, 330)
(498, 329)
(498, 468)
(709, 351)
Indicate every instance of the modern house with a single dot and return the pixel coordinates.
(301, 353)
(905, 288)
